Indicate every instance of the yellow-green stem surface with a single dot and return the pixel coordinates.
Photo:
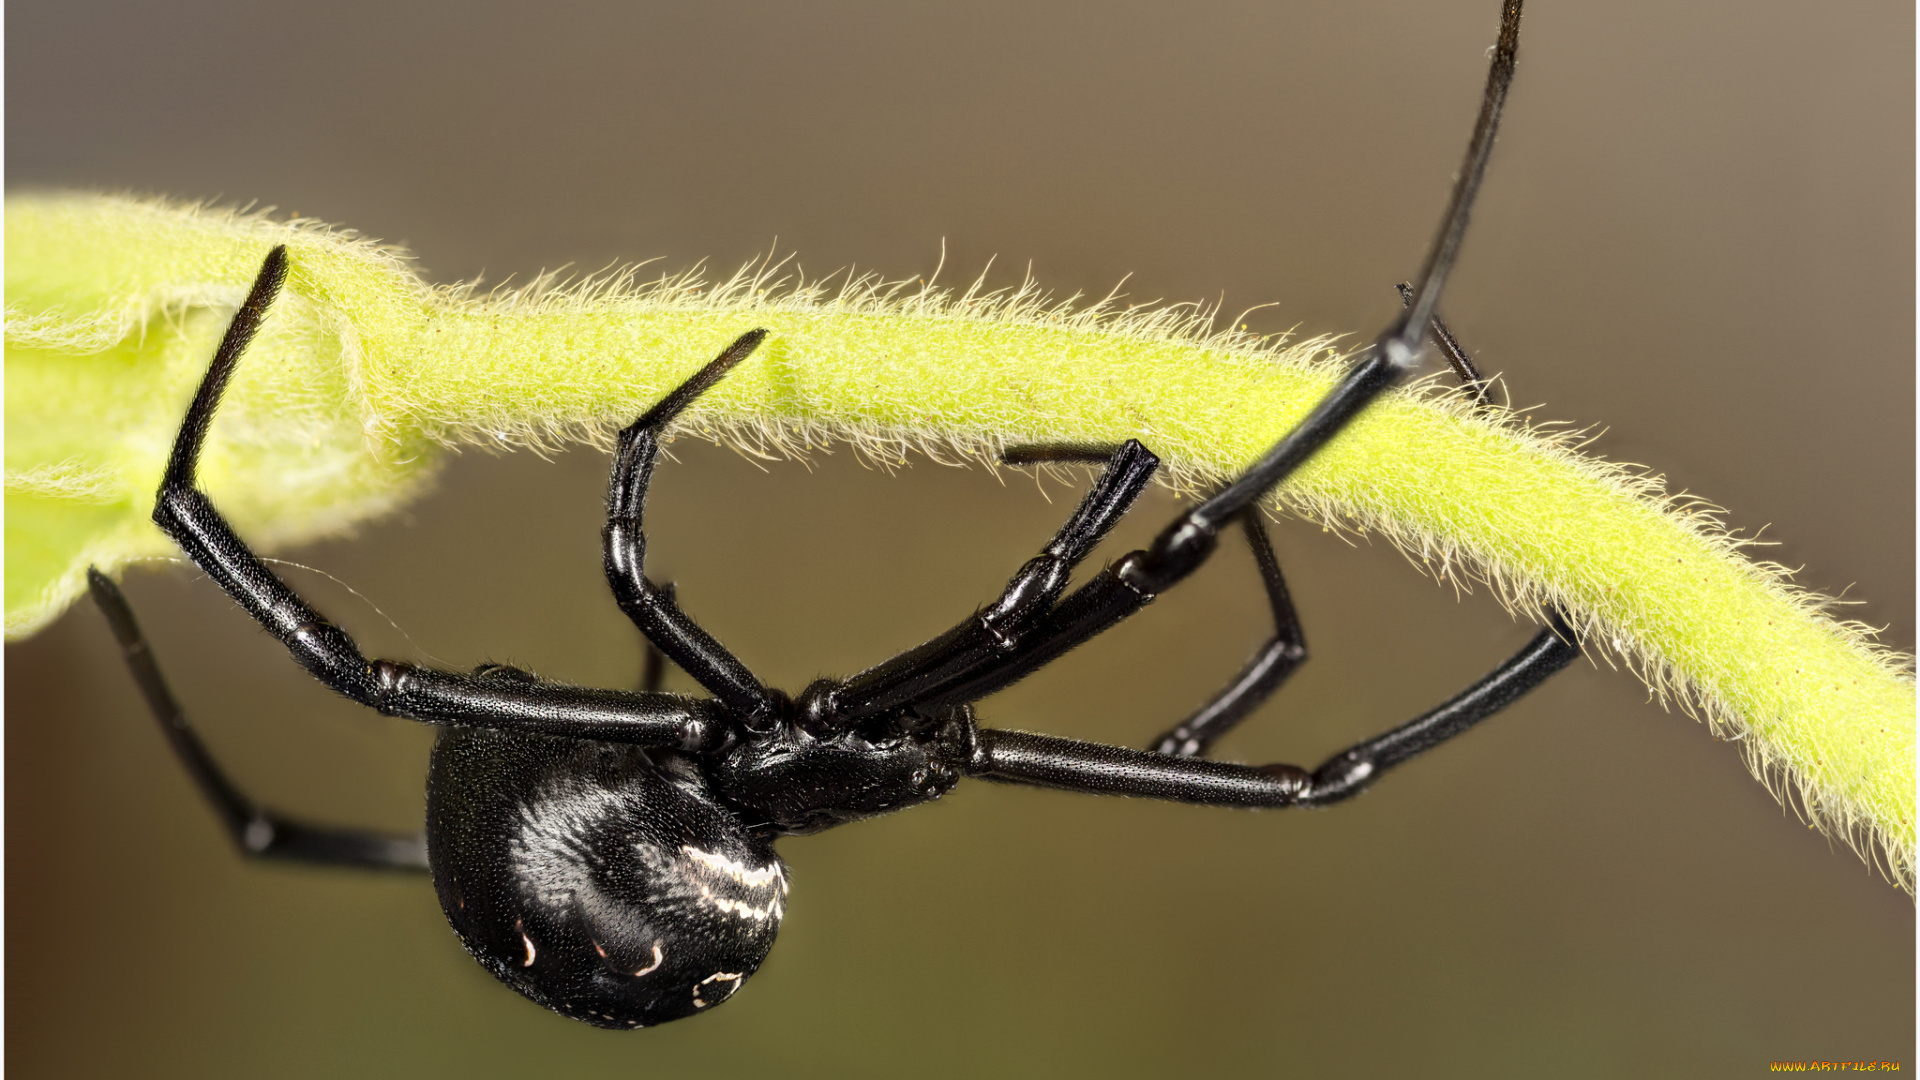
(363, 374)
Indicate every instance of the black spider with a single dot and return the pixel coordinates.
(609, 853)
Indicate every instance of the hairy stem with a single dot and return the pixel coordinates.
(363, 373)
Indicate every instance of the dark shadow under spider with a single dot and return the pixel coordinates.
(609, 853)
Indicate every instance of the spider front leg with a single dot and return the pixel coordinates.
(1136, 578)
(1133, 582)
(1277, 659)
(329, 654)
(652, 607)
(257, 831)
(998, 630)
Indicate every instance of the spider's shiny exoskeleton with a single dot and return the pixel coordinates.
(610, 853)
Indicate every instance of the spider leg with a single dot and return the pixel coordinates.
(1268, 668)
(1457, 358)
(998, 629)
(1093, 768)
(1133, 581)
(1475, 383)
(257, 831)
(653, 664)
(330, 655)
(1278, 658)
(651, 607)
(1287, 650)
(653, 673)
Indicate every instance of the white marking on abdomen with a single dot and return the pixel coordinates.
(738, 871)
(729, 976)
(658, 958)
(773, 910)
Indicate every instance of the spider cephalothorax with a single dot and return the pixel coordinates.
(609, 853)
(792, 780)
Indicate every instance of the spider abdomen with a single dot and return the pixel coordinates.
(599, 884)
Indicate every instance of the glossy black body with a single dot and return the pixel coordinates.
(609, 853)
(601, 884)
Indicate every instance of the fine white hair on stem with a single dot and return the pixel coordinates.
(398, 415)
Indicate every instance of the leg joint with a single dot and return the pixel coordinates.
(1175, 553)
(330, 655)
(1338, 780)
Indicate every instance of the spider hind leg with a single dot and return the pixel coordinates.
(255, 830)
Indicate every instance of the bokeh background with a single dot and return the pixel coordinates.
(1698, 234)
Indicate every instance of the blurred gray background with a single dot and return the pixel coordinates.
(1698, 233)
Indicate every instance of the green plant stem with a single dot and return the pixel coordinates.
(363, 373)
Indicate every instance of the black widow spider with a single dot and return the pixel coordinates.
(609, 853)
